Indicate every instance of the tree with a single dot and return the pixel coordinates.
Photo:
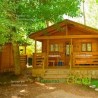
(18, 16)
(91, 13)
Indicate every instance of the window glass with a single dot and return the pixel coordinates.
(51, 47)
(56, 47)
(83, 47)
(89, 47)
(86, 47)
(39, 47)
(67, 49)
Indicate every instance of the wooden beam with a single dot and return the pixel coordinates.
(47, 52)
(35, 46)
(71, 51)
(67, 36)
(66, 28)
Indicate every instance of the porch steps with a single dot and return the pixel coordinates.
(55, 74)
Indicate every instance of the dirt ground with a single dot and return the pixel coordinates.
(17, 88)
(37, 90)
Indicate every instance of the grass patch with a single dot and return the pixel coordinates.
(94, 82)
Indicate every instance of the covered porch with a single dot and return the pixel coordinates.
(67, 53)
(66, 45)
(60, 57)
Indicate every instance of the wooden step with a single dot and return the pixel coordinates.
(55, 76)
(53, 81)
(55, 73)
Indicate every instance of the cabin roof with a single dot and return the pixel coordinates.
(65, 26)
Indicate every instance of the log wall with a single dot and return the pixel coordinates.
(6, 58)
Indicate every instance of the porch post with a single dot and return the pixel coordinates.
(35, 46)
(71, 54)
(47, 52)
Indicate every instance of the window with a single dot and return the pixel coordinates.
(83, 46)
(51, 47)
(39, 47)
(68, 47)
(86, 47)
(89, 47)
(54, 47)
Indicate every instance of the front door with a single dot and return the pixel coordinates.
(67, 53)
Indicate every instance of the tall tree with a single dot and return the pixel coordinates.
(91, 13)
(17, 16)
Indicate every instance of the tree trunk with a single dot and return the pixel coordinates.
(16, 59)
(84, 12)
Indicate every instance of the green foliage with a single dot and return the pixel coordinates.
(20, 17)
(94, 82)
(97, 1)
(91, 13)
(8, 77)
(78, 79)
(31, 15)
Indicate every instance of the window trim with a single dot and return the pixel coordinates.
(86, 47)
(54, 47)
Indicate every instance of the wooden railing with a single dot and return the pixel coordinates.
(23, 61)
(85, 59)
(39, 60)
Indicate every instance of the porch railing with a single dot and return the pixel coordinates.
(79, 59)
(39, 60)
(85, 59)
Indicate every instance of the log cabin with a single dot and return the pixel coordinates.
(66, 46)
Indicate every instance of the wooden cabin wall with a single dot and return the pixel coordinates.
(77, 44)
(7, 63)
(77, 47)
(7, 59)
(74, 31)
(83, 57)
(71, 31)
(60, 43)
(61, 51)
(77, 31)
(95, 45)
(44, 45)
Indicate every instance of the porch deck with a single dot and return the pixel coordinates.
(57, 60)
(62, 72)
(82, 63)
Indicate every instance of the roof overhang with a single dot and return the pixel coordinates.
(66, 37)
(48, 33)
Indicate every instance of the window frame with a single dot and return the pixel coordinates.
(68, 49)
(54, 47)
(86, 47)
